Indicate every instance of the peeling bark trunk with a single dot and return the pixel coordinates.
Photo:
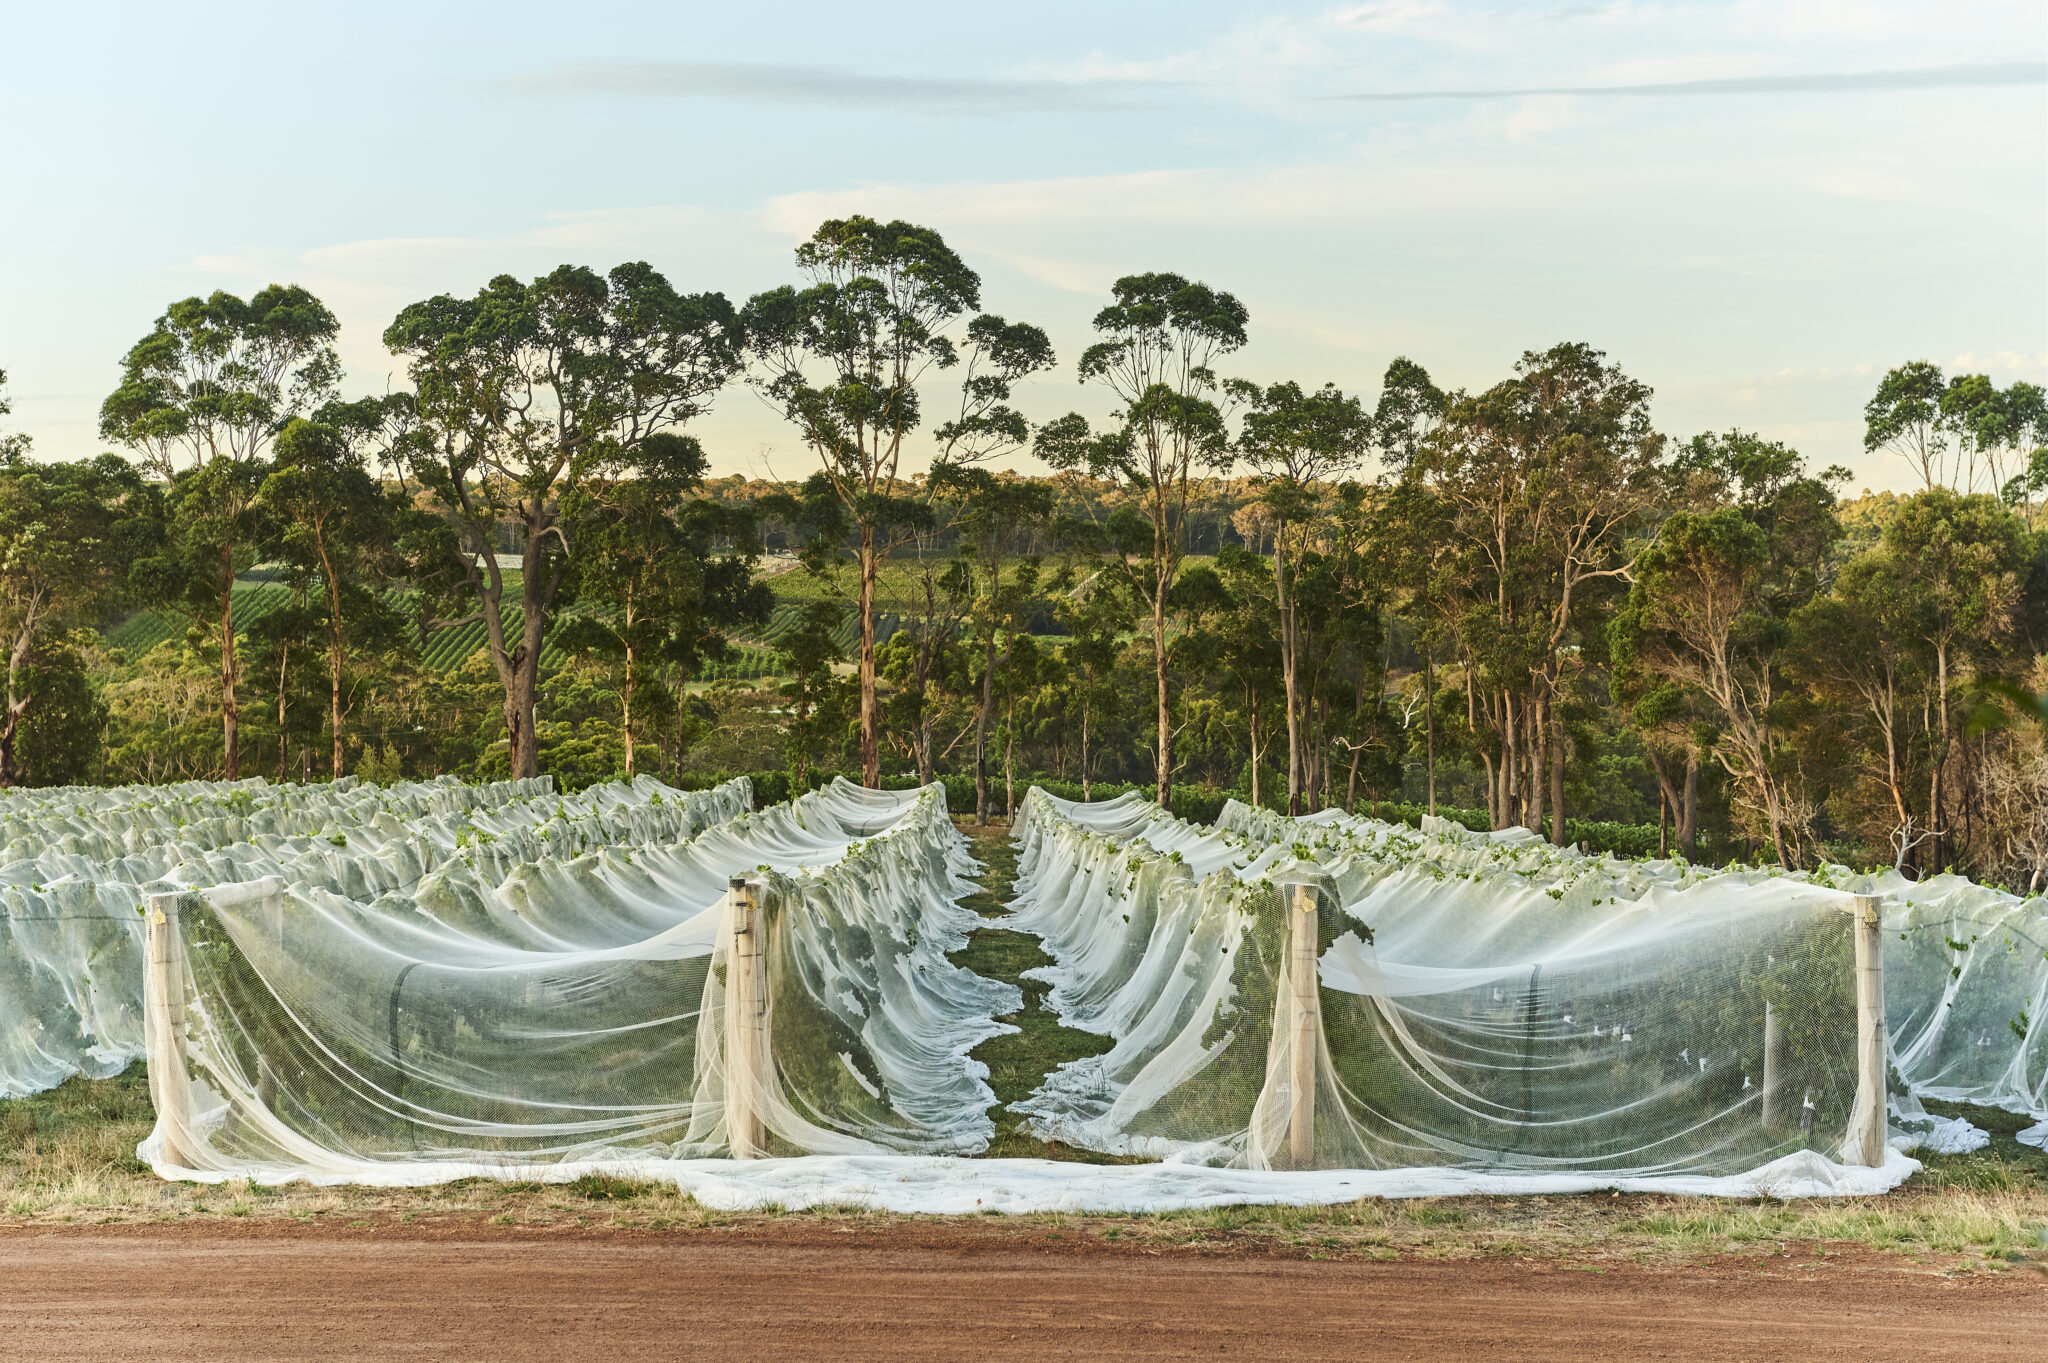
(870, 707)
(230, 714)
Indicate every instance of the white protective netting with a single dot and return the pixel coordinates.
(577, 1013)
(1472, 1004)
(1965, 965)
(76, 863)
(425, 982)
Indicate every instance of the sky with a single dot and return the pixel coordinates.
(1756, 208)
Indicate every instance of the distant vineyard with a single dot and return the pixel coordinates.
(144, 630)
(445, 649)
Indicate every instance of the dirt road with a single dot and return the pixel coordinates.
(483, 1296)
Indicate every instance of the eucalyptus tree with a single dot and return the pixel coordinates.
(659, 576)
(843, 356)
(1710, 606)
(201, 400)
(1853, 646)
(1161, 335)
(1094, 616)
(812, 696)
(2005, 430)
(1550, 478)
(1904, 418)
(1962, 558)
(1298, 440)
(996, 517)
(924, 659)
(526, 393)
(338, 527)
(1410, 529)
(67, 535)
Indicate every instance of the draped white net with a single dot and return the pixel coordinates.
(76, 863)
(1965, 965)
(589, 1009)
(1481, 1002)
(422, 982)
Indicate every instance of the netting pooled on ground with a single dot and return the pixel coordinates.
(1357, 1004)
(626, 1004)
(76, 864)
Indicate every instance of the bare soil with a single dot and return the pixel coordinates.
(946, 1290)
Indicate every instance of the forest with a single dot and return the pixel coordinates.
(1516, 605)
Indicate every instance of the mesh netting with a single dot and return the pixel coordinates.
(629, 1003)
(1965, 965)
(1350, 1000)
(76, 863)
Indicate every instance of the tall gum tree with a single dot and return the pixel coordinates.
(1161, 335)
(1710, 605)
(201, 399)
(659, 575)
(996, 517)
(843, 355)
(526, 393)
(1551, 479)
(339, 526)
(67, 535)
(1297, 439)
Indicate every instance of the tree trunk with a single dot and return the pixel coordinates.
(10, 726)
(1689, 812)
(230, 715)
(17, 705)
(1086, 715)
(870, 708)
(284, 654)
(525, 754)
(1937, 823)
(1537, 714)
(1429, 722)
(334, 655)
(1557, 814)
(981, 717)
(1289, 663)
(522, 675)
(1164, 753)
(1510, 764)
(1009, 762)
(626, 709)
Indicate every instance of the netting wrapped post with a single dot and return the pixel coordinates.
(164, 1023)
(1774, 1067)
(1867, 1120)
(746, 1021)
(1301, 979)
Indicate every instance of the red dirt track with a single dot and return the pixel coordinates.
(939, 1292)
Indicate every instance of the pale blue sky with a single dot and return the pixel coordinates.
(1754, 207)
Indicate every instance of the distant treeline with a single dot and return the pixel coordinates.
(1517, 605)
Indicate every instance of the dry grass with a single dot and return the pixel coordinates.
(67, 1158)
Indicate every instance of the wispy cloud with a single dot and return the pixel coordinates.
(1816, 82)
(789, 85)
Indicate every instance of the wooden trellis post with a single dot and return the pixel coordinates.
(746, 1021)
(1868, 1119)
(1301, 979)
(164, 1024)
(1774, 1067)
